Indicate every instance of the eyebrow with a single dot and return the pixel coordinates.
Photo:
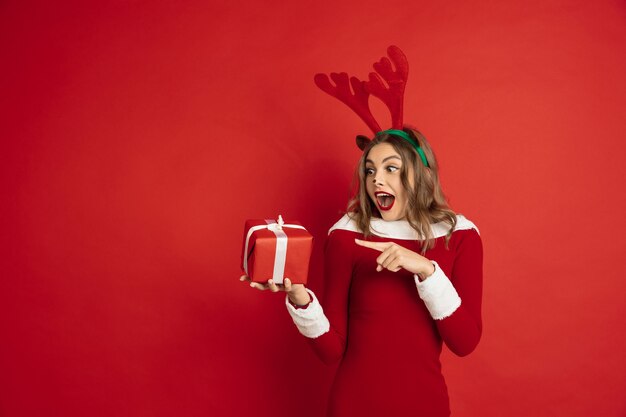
(384, 160)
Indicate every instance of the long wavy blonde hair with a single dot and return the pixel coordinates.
(426, 202)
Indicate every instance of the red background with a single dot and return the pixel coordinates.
(137, 137)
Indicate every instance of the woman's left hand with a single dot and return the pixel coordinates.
(395, 257)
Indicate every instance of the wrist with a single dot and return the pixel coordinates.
(428, 271)
(299, 298)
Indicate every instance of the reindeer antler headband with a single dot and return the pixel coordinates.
(392, 96)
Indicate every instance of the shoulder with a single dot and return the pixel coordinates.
(466, 236)
(339, 246)
(346, 223)
(342, 234)
(465, 232)
(462, 223)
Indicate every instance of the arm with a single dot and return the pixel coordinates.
(331, 323)
(458, 317)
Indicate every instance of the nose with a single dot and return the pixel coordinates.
(378, 178)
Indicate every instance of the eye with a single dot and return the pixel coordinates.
(392, 168)
(369, 171)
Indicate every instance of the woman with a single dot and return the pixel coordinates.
(403, 275)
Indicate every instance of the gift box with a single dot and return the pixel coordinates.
(276, 249)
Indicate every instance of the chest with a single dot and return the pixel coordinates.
(389, 292)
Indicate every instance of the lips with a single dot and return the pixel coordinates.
(384, 200)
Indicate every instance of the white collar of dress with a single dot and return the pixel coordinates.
(401, 229)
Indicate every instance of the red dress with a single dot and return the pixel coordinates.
(378, 327)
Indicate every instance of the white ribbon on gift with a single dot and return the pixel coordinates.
(280, 258)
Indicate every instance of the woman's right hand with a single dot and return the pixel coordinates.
(297, 293)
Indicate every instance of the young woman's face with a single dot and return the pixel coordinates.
(383, 183)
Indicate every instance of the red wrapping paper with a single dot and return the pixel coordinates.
(261, 253)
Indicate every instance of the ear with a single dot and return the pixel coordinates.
(362, 142)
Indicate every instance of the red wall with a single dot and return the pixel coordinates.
(136, 138)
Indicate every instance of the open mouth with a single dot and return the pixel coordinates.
(384, 200)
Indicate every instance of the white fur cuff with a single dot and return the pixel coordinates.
(310, 321)
(438, 294)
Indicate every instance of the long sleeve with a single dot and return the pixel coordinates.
(310, 320)
(462, 329)
(338, 270)
(326, 327)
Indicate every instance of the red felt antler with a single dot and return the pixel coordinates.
(393, 96)
(358, 101)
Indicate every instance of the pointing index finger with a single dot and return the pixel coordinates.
(379, 246)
